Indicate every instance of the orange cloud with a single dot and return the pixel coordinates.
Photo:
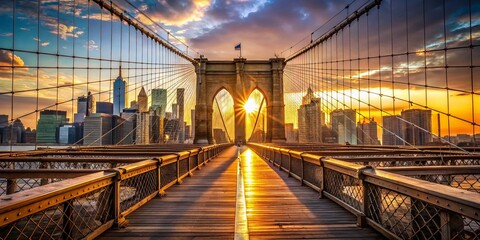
(7, 58)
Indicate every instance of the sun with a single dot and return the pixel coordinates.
(250, 106)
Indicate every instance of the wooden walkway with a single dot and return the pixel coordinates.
(203, 207)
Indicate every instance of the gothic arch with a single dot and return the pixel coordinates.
(240, 78)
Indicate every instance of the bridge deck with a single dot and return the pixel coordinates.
(203, 207)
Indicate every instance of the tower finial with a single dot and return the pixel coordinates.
(120, 70)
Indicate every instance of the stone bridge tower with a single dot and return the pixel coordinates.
(240, 78)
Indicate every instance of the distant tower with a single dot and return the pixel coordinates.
(344, 124)
(142, 100)
(310, 119)
(417, 127)
(159, 100)
(119, 94)
(181, 114)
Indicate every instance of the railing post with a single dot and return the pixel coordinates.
(189, 167)
(281, 159)
(43, 165)
(289, 164)
(119, 221)
(11, 186)
(451, 224)
(322, 178)
(177, 164)
(302, 166)
(161, 192)
(362, 217)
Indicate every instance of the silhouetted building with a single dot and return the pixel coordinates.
(417, 126)
(219, 136)
(129, 131)
(171, 130)
(392, 133)
(181, 114)
(48, 124)
(328, 135)
(159, 100)
(143, 128)
(119, 94)
(117, 129)
(142, 100)
(310, 119)
(85, 107)
(30, 135)
(66, 134)
(97, 129)
(188, 131)
(105, 107)
(155, 126)
(290, 133)
(367, 133)
(344, 125)
(174, 110)
(192, 117)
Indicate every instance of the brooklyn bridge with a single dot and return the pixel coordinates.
(130, 119)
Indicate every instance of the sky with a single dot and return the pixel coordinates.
(265, 29)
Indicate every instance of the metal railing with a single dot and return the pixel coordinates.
(399, 207)
(86, 206)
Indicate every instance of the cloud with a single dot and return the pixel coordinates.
(7, 58)
(263, 30)
(66, 31)
(173, 12)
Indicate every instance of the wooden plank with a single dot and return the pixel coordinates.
(279, 207)
(202, 207)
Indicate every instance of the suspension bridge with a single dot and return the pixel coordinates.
(305, 161)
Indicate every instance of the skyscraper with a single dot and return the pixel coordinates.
(143, 128)
(129, 126)
(417, 126)
(192, 117)
(392, 133)
(181, 112)
(105, 107)
(142, 101)
(310, 119)
(48, 123)
(85, 107)
(367, 133)
(119, 94)
(159, 100)
(97, 130)
(344, 124)
(290, 133)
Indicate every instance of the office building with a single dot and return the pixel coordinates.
(97, 129)
(367, 133)
(129, 125)
(105, 107)
(310, 119)
(48, 124)
(85, 107)
(66, 134)
(159, 100)
(192, 117)
(392, 133)
(344, 125)
(417, 126)
(181, 112)
(119, 94)
(143, 128)
(142, 101)
(290, 133)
